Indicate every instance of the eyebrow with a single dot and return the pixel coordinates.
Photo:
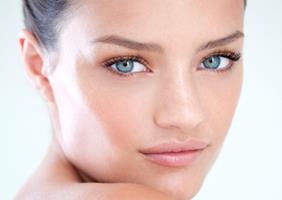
(222, 41)
(140, 46)
(120, 41)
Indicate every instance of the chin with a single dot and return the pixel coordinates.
(182, 190)
(187, 194)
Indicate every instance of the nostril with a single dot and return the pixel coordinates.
(180, 118)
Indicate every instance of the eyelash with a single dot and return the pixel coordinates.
(108, 63)
(233, 56)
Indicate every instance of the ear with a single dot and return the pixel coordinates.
(35, 64)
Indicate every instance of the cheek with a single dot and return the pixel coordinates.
(101, 122)
(118, 114)
(118, 108)
(123, 105)
(219, 97)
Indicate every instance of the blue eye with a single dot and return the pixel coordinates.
(216, 62)
(220, 61)
(126, 66)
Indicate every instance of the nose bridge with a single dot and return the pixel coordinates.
(179, 105)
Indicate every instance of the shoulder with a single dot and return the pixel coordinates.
(57, 179)
(91, 191)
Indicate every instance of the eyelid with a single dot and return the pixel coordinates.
(136, 58)
(234, 56)
(113, 60)
(228, 54)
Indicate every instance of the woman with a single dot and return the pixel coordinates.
(141, 94)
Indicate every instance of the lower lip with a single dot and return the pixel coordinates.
(175, 159)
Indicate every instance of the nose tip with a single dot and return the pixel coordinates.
(179, 104)
(185, 116)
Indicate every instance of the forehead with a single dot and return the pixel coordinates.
(159, 20)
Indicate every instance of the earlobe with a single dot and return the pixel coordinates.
(35, 65)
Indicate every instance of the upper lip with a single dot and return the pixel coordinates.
(175, 146)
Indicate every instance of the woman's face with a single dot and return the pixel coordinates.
(178, 82)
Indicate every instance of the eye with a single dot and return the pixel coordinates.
(216, 62)
(220, 61)
(126, 66)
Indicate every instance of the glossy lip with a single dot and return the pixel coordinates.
(175, 154)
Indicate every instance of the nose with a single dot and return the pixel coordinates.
(178, 105)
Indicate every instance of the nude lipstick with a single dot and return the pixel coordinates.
(175, 154)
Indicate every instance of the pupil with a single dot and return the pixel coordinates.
(125, 66)
(212, 62)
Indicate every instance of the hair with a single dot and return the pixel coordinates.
(42, 18)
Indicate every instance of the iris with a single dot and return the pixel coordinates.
(125, 66)
(212, 62)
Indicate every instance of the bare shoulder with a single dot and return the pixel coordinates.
(89, 191)
(56, 179)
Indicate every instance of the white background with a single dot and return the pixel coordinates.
(250, 164)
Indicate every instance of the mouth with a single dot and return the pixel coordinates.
(175, 154)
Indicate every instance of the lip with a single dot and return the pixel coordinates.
(175, 154)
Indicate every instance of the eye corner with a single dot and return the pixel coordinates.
(225, 57)
(139, 65)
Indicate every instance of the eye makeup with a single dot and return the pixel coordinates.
(230, 55)
(112, 61)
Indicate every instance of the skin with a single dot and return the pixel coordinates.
(102, 120)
